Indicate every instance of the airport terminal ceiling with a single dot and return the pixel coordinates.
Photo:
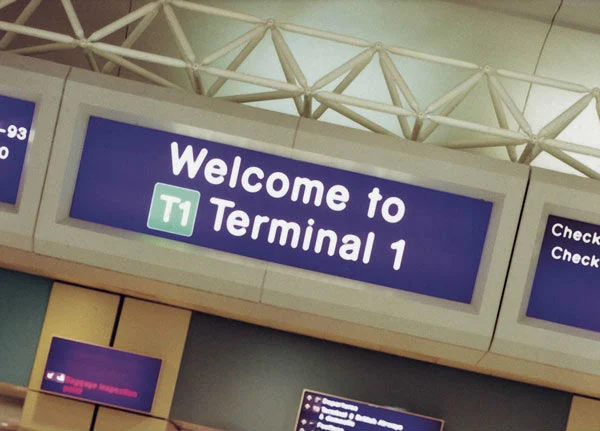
(513, 80)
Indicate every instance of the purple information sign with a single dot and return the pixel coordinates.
(281, 210)
(101, 374)
(565, 287)
(16, 117)
(325, 412)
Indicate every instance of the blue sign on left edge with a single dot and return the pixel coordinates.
(101, 374)
(281, 210)
(16, 117)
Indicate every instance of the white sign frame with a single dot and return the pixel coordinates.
(445, 322)
(42, 83)
(517, 335)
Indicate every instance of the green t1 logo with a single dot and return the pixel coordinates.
(173, 209)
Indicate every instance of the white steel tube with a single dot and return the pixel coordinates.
(259, 97)
(431, 58)
(477, 144)
(560, 123)
(251, 79)
(500, 116)
(549, 82)
(510, 104)
(185, 49)
(246, 37)
(366, 104)
(386, 61)
(138, 70)
(196, 7)
(140, 55)
(135, 34)
(357, 118)
(508, 134)
(287, 53)
(393, 90)
(288, 73)
(367, 54)
(416, 129)
(91, 60)
(307, 108)
(36, 32)
(448, 109)
(571, 161)
(40, 49)
(21, 19)
(327, 35)
(348, 79)
(571, 147)
(457, 92)
(555, 127)
(73, 18)
(124, 21)
(5, 3)
(235, 63)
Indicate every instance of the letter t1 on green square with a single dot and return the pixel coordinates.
(173, 209)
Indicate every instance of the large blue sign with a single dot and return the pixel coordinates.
(323, 412)
(281, 210)
(101, 374)
(16, 117)
(565, 287)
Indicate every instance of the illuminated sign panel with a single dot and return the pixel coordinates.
(281, 210)
(101, 374)
(565, 287)
(330, 413)
(16, 117)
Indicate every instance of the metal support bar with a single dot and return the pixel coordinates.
(236, 62)
(133, 36)
(339, 89)
(21, 19)
(357, 118)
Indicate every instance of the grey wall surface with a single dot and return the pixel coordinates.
(23, 302)
(239, 377)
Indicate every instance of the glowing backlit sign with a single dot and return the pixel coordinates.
(323, 412)
(281, 210)
(565, 287)
(101, 374)
(16, 117)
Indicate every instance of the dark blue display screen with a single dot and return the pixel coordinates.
(101, 374)
(329, 413)
(16, 117)
(281, 210)
(567, 278)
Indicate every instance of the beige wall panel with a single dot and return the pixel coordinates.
(49, 413)
(584, 415)
(117, 420)
(158, 331)
(77, 313)
(539, 374)
(290, 320)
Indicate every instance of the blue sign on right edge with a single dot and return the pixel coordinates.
(325, 412)
(566, 285)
